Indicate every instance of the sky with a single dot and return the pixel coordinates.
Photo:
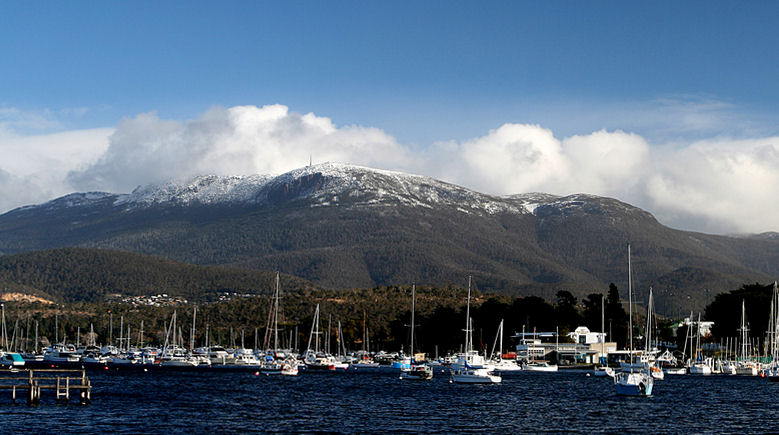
(669, 106)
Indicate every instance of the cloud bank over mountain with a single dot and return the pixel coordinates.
(716, 185)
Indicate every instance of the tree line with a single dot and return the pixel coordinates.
(385, 313)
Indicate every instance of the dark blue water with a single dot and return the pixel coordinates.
(380, 402)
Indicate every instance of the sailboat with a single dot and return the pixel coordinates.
(8, 359)
(697, 364)
(603, 370)
(314, 358)
(271, 365)
(534, 365)
(633, 382)
(364, 361)
(173, 354)
(772, 371)
(649, 351)
(470, 367)
(500, 364)
(417, 371)
(746, 366)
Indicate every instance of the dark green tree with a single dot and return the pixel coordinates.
(568, 317)
(725, 310)
(591, 314)
(616, 317)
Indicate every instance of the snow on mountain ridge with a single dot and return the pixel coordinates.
(206, 189)
(327, 185)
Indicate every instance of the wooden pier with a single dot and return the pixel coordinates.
(33, 382)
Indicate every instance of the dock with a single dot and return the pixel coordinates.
(32, 382)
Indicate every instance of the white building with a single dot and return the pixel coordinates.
(582, 335)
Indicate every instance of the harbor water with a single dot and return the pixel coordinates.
(348, 402)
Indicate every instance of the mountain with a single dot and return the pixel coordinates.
(95, 275)
(344, 226)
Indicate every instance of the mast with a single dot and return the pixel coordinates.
(500, 345)
(744, 330)
(498, 336)
(341, 341)
(413, 307)
(602, 325)
(364, 333)
(276, 318)
(3, 339)
(314, 331)
(27, 334)
(329, 333)
(698, 340)
(468, 343)
(649, 326)
(192, 334)
(630, 309)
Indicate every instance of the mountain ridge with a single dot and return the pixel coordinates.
(345, 226)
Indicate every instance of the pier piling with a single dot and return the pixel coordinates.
(35, 381)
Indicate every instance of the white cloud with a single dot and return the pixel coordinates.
(719, 185)
(714, 185)
(518, 158)
(33, 168)
(236, 140)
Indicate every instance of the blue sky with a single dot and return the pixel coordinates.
(442, 70)
(674, 73)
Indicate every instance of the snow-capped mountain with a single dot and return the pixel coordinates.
(349, 226)
(325, 185)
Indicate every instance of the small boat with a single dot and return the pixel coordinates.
(656, 373)
(675, 371)
(315, 359)
(497, 361)
(633, 382)
(61, 353)
(748, 368)
(700, 369)
(289, 367)
(470, 367)
(11, 360)
(417, 371)
(540, 366)
(603, 371)
(475, 376)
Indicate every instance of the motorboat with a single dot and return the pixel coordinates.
(633, 383)
(61, 353)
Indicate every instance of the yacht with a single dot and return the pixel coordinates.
(61, 353)
(470, 367)
(634, 382)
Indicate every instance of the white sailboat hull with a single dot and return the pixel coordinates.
(475, 376)
(540, 367)
(700, 369)
(602, 372)
(633, 384)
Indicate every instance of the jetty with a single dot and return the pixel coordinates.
(32, 383)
